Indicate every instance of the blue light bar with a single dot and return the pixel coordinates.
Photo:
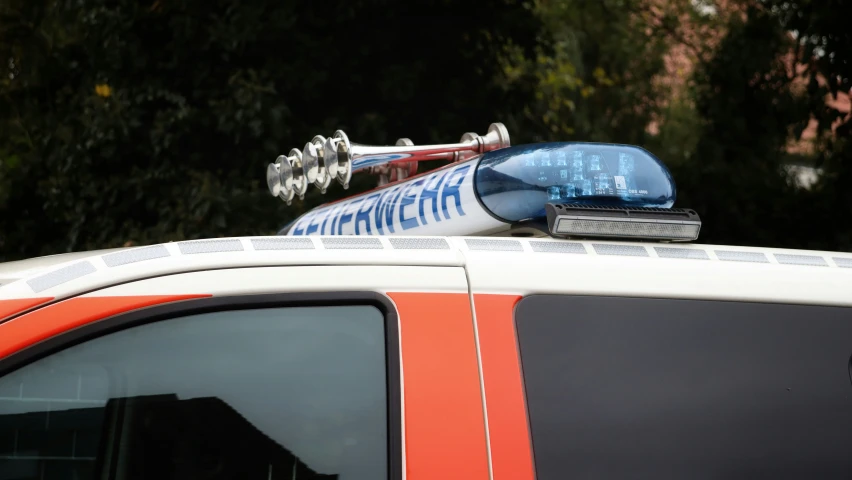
(515, 183)
(489, 193)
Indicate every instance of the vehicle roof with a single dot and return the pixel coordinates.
(499, 265)
(14, 270)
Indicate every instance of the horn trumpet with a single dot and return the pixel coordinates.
(323, 160)
(285, 178)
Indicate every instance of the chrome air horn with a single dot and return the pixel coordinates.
(284, 177)
(325, 159)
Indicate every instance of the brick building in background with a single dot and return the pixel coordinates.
(694, 42)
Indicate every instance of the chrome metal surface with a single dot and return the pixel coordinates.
(322, 179)
(404, 170)
(300, 181)
(329, 155)
(282, 186)
(310, 161)
(361, 157)
(273, 179)
(392, 172)
(327, 159)
(345, 167)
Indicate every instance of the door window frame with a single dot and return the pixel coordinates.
(230, 303)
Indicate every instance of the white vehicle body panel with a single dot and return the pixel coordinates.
(100, 271)
(492, 265)
(247, 280)
(324, 278)
(637, 270)
(461, 265)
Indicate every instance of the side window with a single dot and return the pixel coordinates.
(623, 388)
(291, 393)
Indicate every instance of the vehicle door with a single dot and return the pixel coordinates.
(293, 372)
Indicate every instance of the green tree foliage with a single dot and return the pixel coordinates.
(154, 120)
(824, 46)
(747, 112)
(591, 71)
(725, 132)
(744, 99)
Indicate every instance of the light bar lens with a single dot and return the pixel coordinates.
(515, 183)
(586, 227)
(574, 220)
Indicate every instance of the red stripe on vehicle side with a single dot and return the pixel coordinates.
(444, 419)
(508, 427)
(17, 305)
(36, 326)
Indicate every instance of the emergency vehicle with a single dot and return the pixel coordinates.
(522, 312)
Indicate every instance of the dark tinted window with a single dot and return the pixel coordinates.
(622, 388)
(286, 393)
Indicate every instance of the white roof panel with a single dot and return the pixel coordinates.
(494, 265)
